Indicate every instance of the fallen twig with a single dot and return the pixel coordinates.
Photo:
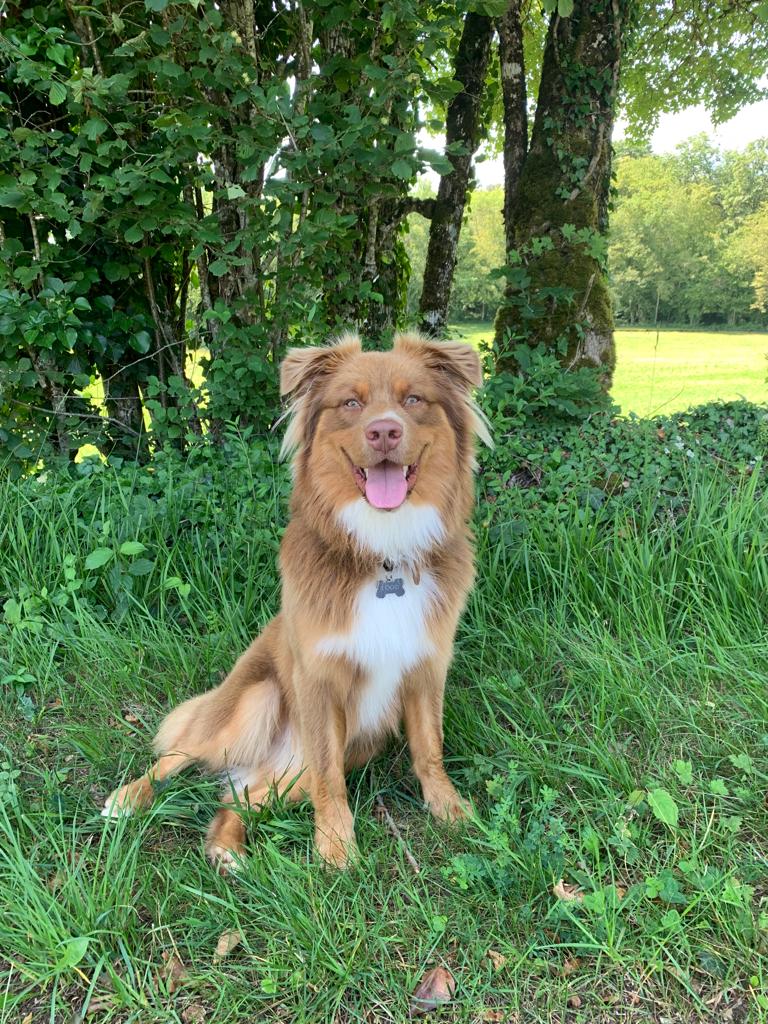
(383, 815)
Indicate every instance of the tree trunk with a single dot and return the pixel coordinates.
(462, 127)
(557, 295)
(515, 100)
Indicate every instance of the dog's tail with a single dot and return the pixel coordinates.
(234, 725)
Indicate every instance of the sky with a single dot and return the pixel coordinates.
(749, 124)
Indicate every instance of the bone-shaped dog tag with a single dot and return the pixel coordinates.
(384, 587)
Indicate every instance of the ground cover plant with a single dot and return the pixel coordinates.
(667, 371)
(606, 715)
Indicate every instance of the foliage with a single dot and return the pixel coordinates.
(167, 185)
(711, 53)
(606, 464)
(749, 247)
(686, 234)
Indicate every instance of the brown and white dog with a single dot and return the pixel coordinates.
(376, 564)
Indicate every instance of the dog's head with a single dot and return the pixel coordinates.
(389, 430)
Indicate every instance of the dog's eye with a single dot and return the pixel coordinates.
(412, 400)
(352, 403)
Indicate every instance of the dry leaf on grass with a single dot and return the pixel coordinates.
(227, 942)
(175, 972)
(567, 892)
(195, 1013)
(28, 1019)
(574, 1001)
(497, 959)
(99, 1004)
(435, 989)
(571, 965)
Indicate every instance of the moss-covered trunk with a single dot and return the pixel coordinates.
(557, 293)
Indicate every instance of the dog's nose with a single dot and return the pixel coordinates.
(383, 435)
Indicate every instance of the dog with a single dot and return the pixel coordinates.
(376, 564)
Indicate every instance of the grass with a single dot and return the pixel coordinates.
(678, 370)
(606, 713)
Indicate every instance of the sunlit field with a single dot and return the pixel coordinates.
(674, 370)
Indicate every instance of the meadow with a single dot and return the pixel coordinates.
(606, 715)
(668, 371)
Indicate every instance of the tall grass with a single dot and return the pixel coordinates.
(601, 660)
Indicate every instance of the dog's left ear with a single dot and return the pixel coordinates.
(455, 358)
(302, 367)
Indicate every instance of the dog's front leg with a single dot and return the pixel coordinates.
(423, 717)
(324, 734)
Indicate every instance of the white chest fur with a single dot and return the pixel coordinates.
(388, 638)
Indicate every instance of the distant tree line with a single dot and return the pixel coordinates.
(687, 242)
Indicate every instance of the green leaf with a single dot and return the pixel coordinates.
(12, 612)
(218, 267)
(141, 342)
(155, 5)
(98, 558)
(176, 583)
(141, 567)
(684, 771)
(565, 8)
(132, 547)
(74, 951)
(718, 787)
(134, 234)
(742, 761)
(57, 53)
(93, 128)
(402, 169)
(57, 94)
(439, 163)
(235, 192)
(115, 271)
(11, 197)
(663, 806)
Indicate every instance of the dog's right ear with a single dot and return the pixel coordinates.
(303, 367)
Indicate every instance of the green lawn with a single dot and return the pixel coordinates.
(606, 714)
(679, 369)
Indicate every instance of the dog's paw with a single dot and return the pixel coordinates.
(127, 800)
(445, 804)
(336, 851)
(225, 859)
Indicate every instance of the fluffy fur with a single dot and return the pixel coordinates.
(340, 667)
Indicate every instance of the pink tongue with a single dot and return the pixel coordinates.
(386, 486)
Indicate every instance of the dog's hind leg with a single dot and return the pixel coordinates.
(281, 774)
(225, 841)
(233, 724)
(140, 793)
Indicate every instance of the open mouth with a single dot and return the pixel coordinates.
(387, 484)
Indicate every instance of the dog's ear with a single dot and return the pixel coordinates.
(302, 367)
(458, 360)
